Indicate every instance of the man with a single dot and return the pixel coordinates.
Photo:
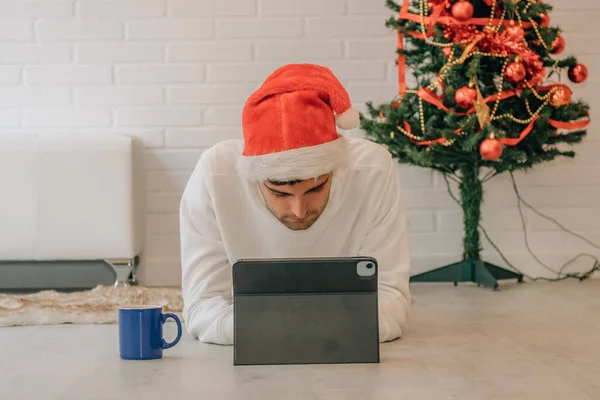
(293, 187)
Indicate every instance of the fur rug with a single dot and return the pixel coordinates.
(97, 306)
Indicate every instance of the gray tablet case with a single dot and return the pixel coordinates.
(305, 311)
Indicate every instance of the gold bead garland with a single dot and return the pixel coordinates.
(528, 107)
(408, 134)
(497, 29)
(481, 53)
(493, 14)
(421, 115)
(524, 121)
(534, 25)
(500, 83)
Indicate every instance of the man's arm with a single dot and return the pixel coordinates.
(206, 273)
(387, 242)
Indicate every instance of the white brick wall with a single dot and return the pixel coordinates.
(115, 54)
(119, 96)
(212, 9)
(176, 73)
(210, 51)
(158, 116)
(10, 75)
(165, 30)
(120, 9)
(58, 31)
(159, 74)
(36, 97)
(67, 75)
(15, 31)
(33, 9)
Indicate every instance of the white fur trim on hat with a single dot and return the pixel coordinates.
(301, 164)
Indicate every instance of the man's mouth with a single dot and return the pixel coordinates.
(297, 220)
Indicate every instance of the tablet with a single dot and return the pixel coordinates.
(305, 311)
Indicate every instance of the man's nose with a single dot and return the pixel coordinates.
(299, 208)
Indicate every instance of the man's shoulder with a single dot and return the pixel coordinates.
(222, 158)
(364, 153)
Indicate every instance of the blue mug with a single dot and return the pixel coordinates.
(141, 332)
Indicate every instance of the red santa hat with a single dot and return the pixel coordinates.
(289, 125)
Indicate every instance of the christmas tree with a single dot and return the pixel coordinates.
(489, 97)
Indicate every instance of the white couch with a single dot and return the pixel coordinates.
(72, 197)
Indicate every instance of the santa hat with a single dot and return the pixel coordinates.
(289, 125)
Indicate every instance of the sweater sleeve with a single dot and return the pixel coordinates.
(387, 242)
(206, 273)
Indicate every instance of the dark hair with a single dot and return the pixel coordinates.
(284, 183)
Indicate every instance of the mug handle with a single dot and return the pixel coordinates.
(164, 318)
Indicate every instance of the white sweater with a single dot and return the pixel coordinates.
(224, 218)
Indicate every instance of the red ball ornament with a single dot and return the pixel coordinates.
(561, 97)
(465, 97)
(545, 20)
(515, 33)
(447, 51)
(491, 149)
(558, 46)
(463, 10)
(515, 72)
(578, 73)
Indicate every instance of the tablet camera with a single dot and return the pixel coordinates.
(365, 268)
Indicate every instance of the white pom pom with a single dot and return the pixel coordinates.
(347, 120)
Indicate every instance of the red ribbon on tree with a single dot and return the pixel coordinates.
(570, 125)
(435, 16)
(401, 57)
(432, 98)
(516, 141)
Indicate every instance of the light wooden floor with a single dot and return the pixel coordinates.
(530, 341)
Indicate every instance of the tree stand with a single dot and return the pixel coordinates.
(472, 268)
(480, 272)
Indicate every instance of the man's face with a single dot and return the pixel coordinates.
(297, 205)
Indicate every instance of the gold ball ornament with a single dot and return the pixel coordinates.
(491, 149)
(561, 97)
(463, 10)
(578, 73)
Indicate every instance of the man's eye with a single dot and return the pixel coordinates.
(317, 189)
(279, 194)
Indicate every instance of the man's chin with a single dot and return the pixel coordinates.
(299, 225)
